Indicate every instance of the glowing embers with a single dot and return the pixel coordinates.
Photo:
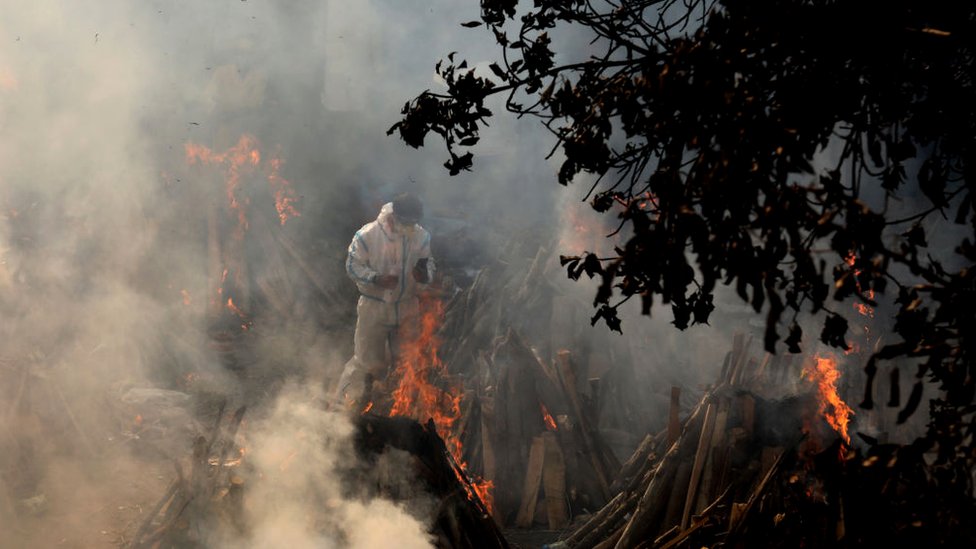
(417, 396)
(824, 374)
(862, 308)
(547, 418)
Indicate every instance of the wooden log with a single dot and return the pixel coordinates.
(677, 495)
(697, 523)
(704, 443)
(767, 360)
(748, 403)
(609, 522)
(660, 540)
(650, 508)
(726, 364)
(533, 479)
(568, 379)
(738, 521)
(594, 520)
(634, 463)
(715, 447)
(554, 483)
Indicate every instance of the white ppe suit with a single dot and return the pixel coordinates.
(382, 247)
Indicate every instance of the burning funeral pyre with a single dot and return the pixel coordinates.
(512, 423)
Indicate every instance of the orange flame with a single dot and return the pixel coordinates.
(367, 408)
(284, 196)
(825, 374)
(241, 159)
(550, 422)
(186, 297)
(235, 162)
(416, 396)
(863, 309)
(234, 308)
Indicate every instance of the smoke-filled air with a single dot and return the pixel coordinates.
(180, 185)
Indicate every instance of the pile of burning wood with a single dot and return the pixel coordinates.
(508, 432)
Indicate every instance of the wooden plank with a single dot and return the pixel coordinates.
(651, 506)
(590, 448)
(715, 447)
(554, 483)
(595, 520)
(533, 478)
(748, 414)
(704, 443)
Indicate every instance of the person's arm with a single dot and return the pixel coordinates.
(359, 269)
(424, 269)
(357, 261)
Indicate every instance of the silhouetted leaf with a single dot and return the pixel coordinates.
(498, 71)
(916, 236)
(794, 339)
(682, 315)
(913, 401)
(592, 266)
(702, 307)
(835, 331)
(609, 316)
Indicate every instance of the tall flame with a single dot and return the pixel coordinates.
(236, 161)
(241, 159)
(416, 396)
(284, 196)
(825, 374)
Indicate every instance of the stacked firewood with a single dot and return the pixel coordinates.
(701, 479)
(530, 419)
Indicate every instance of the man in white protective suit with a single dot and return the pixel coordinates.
(389, 260)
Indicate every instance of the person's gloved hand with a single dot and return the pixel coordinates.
(420, 273)
(387, 282)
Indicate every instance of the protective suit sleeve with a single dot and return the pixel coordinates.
(425, 253)
(357, 261)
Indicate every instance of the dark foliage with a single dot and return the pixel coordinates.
(762, 145)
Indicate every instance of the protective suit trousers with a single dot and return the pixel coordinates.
(378, 333)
